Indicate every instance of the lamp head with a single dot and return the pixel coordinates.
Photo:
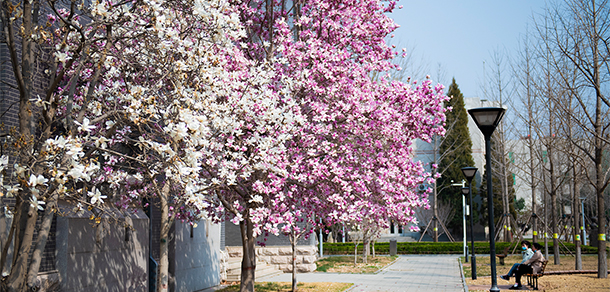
(469, 172)
(465, 191)
(487, 118)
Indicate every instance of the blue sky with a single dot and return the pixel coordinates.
(458, 36)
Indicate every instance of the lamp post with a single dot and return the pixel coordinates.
(464, 226)
(487, 119)
(461, 185)
(469, 173)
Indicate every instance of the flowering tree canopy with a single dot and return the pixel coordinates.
(354, 150)
(352, 157)
(261, 112)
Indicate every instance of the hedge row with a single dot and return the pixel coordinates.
(436, 248)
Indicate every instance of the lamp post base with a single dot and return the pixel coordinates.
(473, 263)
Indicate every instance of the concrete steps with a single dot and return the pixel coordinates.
(262, 270)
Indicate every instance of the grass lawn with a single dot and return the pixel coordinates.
(285, 286)
(335, 264)
(345, 264)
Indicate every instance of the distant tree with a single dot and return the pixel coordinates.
(520, 205)
(456, 152)
(576, 34)
(497, 187)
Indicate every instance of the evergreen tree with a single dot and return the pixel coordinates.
(455, 152)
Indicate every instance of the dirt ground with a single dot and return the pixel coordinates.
(566, 263)
(551, 283)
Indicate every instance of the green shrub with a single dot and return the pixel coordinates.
(438, 248)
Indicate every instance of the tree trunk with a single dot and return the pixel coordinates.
(43, 234)
(163, 273)
(553, 182)
(248, 263)
(546, 220)
(435, 204)
(6, 245)
(555, 227)
(26, 215)
(293, 243)
(355, 253)
(504, 183)
(365, 252)
(530, 133)
(16, 281)
(576, 217)
(602, 261)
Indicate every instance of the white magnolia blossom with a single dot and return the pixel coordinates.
(13, 190)
(85, 126)
(19, 170)
(75, 151)
(78, 209)
(257, 199)
(37, 180)
(96, 196)
(77, 172)
(35, 203)
(62, 57)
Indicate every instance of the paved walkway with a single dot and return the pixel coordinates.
(428, 273)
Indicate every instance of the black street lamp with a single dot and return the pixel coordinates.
(487, 119)
(469, 173)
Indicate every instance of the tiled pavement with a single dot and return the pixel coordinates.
(429, 273)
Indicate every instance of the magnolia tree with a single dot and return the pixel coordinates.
(147, 98)
(202, 128)
(367, 231)
(353, 152)
(50, 149)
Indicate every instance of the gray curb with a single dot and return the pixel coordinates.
(462, 274)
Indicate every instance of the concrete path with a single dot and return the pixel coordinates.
(428, 273)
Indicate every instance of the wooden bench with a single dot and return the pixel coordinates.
(532, 279)
(502, 256)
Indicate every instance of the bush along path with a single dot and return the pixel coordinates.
(433, 248)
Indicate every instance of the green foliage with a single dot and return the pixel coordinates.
(520, 204)
(323, 268)
(481, 247)
(456, 152)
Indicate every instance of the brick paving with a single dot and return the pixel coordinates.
(429, 273)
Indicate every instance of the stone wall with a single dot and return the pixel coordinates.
(232, 235)
(280, 256)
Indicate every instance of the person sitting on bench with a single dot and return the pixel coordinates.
(533, 265)
(526, 246)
